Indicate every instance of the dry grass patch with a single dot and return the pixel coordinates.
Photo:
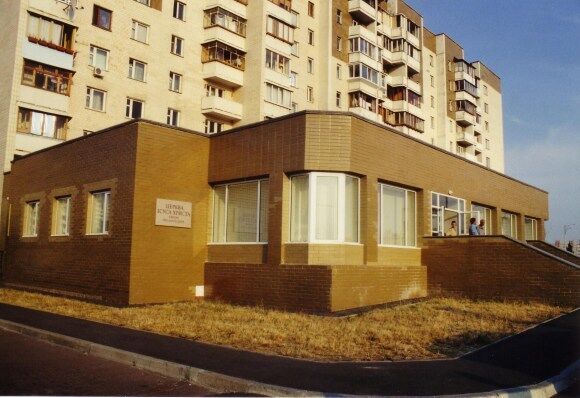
(435, 328)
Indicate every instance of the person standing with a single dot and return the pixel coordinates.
(481, 227)
(570, 247)
(473, 230)
(452, 231)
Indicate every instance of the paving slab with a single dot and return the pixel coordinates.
(528, 358)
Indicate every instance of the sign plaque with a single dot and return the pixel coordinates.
(173, 213)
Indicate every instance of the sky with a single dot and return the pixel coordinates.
(534, 46)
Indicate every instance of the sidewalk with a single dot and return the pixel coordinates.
(528, 358)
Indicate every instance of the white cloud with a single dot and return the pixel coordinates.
(552, 162)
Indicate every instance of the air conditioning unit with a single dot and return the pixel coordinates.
(98, 72)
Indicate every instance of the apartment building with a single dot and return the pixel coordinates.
(72, 67)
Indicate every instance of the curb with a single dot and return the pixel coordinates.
(221, 383)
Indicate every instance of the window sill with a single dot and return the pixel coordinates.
(96, 110)
(326, 243)
(236, 243)
(399, 247)
(279, 105)
(41, 136)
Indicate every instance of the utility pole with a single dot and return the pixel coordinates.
(566, 228)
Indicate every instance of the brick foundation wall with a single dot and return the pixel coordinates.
(498, 268)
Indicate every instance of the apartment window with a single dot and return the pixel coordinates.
(485, 89)
(175, 82)
(280, 30)
(464, 85)
(486, 107)
(487, 162)
(530, 228)
(432, 102)
(277, 62)
(432, 122)
(61, 216)
(339, 17)
(48, 32)
(338, 43)
(486, 126)
(173, 117)
(482, 213)
(212, 127)
(285, 4)
(486, 143)
(145, 2)
(176, 45)
(293, 79)
(99, 57)
(466, 106)
(309, 94)
(46, 77)
(324, 208)
(240, 212)
(99, 209)
(359, 99)
(338, 71)
(219, 17)
(397, 216)
(213, 91)
(509, 224)
(405, 119)
(102, 17)
(218, 51)
(31, 215)
(363, 71)
(95, 99)
(432, 79)
(134, 108)
(278, 95)
(294, 18)
(310, 37)
(140, 32)
(359, 44)
(42, 124)
(338, 99)
(431, 61)
(311, 9)
(179, 10)
(294, 107)
(310, 66)
(137, 69)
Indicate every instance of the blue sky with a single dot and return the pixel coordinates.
(534, 46)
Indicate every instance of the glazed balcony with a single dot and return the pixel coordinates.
(464, 118)
(221, 108)
(362, 10)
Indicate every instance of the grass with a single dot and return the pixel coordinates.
(436, 328)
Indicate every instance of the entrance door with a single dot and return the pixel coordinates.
(438, 221)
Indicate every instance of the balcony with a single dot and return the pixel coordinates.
(221, 108)
(465, 138)
(358, 57)
(362, 10)
(280, 12)
(464, 95)
(464, 118)
(404, 81)
(360, 84)
(223, 73)
(361, 31)
(366, 113)
(46, 55)
(223, 35)
(236, 6)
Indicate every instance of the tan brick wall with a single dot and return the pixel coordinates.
(492, 268)
(167, 262)
(96, 267)
(331, 254)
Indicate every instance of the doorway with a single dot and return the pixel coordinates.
(444, 210)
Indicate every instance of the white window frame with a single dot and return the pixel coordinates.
(173, 80)
(56, 216)
(380, 212)
(173, 116)
(129, 106)
(534, 223)
(90, 94)
(513, 224)
(258, 208)
(174, 40)
(341, 203)
(177, 6)
(92, 54)
(209, 122)
(136, 24)
(32, 208)
(132, 62)
(107, 201)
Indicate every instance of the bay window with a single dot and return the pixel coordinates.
(324, 208)
(240, 212)
(397, 216)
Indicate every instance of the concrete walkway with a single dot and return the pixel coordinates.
(528, 358)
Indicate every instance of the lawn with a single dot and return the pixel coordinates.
(435, 328)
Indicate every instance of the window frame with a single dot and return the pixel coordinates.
(106, 228)
(135, 24)
(380, 215)
(56, 215)
(26, 217)
(174, 40)
(129, 107)
(259, 181)
(172, 80)
(91, 100)
(93, 49)
(131, 74)
(173, 115)
(95, 18)
(341, 207)
(176, 6)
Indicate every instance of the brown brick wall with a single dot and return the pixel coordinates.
(563, 254)
(93, 267)
(492, 268)
(167, 262)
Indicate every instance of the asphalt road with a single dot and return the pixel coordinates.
(32, 367)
